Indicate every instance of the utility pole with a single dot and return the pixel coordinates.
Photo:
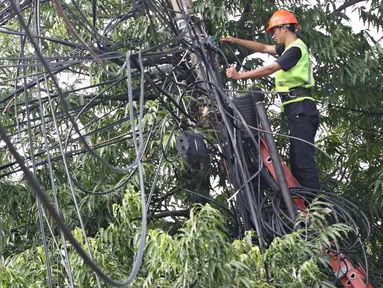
(183, 8)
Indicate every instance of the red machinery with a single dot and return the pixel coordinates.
(346, 272)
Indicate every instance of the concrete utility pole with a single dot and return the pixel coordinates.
(185, 13)
(183, 7)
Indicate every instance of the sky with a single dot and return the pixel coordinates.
(357, 24)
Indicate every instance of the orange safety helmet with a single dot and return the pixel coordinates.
(281, 17)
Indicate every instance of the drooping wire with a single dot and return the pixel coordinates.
(190, 41)
(51, 174)
(31, 149)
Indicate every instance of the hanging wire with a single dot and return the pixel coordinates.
(163, 72)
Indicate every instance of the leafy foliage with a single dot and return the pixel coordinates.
(199, 254)
(194, 249)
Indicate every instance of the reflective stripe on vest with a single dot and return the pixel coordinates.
(299, 99)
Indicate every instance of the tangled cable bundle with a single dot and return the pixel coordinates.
(180, 72)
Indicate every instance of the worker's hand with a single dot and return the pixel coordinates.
(231, 72)
(228, 39)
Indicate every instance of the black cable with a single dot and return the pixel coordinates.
(120, 184)
(59, 41)
(42, 153)
(59, 158)
(269, 210)
(52, 211)
(368, 112)
(42, 194)
(119, 19)
(31, 147)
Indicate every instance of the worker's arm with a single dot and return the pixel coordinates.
(252, 45)
(257, 73)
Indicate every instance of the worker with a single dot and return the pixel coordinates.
(293, 82)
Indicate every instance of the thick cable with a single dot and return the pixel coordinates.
(31, 149)
(51, 174)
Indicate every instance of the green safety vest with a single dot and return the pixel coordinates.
(301, 75)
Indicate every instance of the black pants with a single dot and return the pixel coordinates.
(302, 161)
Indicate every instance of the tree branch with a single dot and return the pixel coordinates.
(345, 6)
(246, 8)
(183, 213)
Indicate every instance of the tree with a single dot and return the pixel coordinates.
(187, 244)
